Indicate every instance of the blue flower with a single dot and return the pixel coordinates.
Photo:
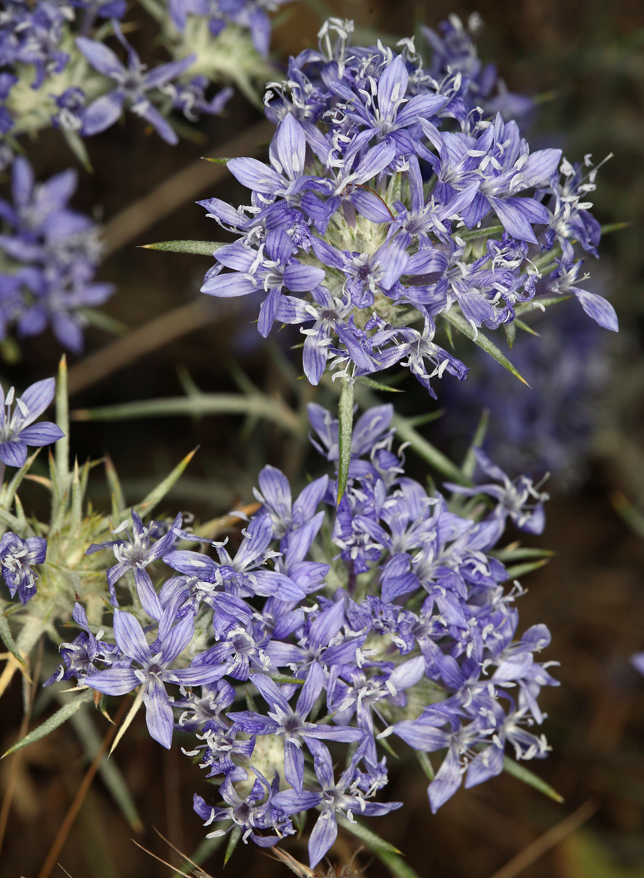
(153, 672)
(17, 430)
(17, 558)
(132, 84)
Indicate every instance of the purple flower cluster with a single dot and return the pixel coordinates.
(251, 15)
(71, 96)
(391, 200)
(387, 615)
(17, 558)
(454, 51)
(51, 255)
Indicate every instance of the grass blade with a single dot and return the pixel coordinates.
(57, 719)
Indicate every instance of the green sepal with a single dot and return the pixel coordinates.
(198, 248)
(377, 385)
(510, 333)
(516, 770)
(233, 841)
(214, 160)
(483, 342)
(345, 429)
(57, 719)
(7, 637)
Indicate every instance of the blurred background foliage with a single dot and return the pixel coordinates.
(585, 58)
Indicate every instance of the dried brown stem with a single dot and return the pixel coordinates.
(179, 188)
(75, 807)
(140, 342)
(547, 841)
(128, 225)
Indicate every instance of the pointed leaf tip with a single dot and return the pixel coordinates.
(516, 770)
(196, 248)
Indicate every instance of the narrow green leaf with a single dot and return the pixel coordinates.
(7, 639)
(284, 678)
(214, 160)
(426, 765)
(516, 552)
(377, 385)
(510, 333)
(518, 570)
(204, 404)
(479, 233)
(469, 464)
(103, 321)
(426, 450)
(535, 304)
(53, 722)
(9, 520)
(399, 867)
(118, 500)
(483, 342)
(524, 326)
(9, 492)
(516, 770)
(449, 334)
(427, 418)
(373, 841)
(155, 496)
(76, 145)
(76, 511)
(345, 417)
(198, 248)
(62, 419)
(233, 841)
(614, 227)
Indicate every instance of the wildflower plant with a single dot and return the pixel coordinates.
(368, 614)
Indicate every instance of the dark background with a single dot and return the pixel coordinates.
(591, 56)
